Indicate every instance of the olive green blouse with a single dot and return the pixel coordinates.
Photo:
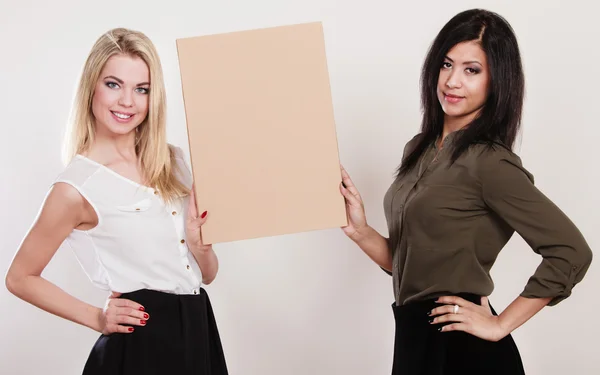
(448, 223)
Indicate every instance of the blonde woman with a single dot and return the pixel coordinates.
(123, 204)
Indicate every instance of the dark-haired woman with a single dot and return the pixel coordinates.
(459, 195)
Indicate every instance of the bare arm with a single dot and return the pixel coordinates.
(204, 254)
(367, 238)
(520, 311)
(64, 209)
(208, 263)
(375, 246)
(479, 321)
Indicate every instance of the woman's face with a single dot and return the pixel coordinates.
(120, 100)
(463, 84)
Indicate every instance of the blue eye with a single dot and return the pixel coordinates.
(112, 85)
(142, 90)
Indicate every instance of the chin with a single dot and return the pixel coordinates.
(120, 129)
(454, 112)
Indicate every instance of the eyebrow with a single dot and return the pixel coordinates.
(120, 81)
(466, 62)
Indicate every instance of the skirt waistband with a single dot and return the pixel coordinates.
(154, 299)
(417, 312)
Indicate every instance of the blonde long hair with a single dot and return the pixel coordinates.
(159, 167)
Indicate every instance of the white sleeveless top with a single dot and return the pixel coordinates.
(139, 241)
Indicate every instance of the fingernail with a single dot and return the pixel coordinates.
(204, 214)
(145, 316)
(141, 308)
(143, 321)
(430, 320)
(429, 313)
(130, 329)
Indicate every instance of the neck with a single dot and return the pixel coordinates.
(452, 124)
(455, 123)
(111, 147)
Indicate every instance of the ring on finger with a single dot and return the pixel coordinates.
(455, 309)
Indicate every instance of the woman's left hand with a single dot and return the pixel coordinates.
(469, 317)
(194, 224)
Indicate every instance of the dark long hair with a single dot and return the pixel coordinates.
(500, 118)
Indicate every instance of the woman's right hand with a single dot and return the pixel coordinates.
(118, 311)
(357, 220)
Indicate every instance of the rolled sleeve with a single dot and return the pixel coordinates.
(508, 190)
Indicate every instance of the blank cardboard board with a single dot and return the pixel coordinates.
(261, 129)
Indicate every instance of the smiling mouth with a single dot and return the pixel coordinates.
(453, 98)
(122, 116)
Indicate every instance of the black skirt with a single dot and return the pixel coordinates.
(181, 337)
(420, 349)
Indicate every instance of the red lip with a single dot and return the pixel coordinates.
(454, 96)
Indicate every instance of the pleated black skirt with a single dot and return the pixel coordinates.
(181, 337)
(420, 349)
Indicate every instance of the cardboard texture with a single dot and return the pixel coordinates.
(261, 130)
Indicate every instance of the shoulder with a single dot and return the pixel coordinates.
(181, 165)
(64, 197)
(412, 144)
(78, 171)
(497, 161)
(178, 157)
(487, 154)
(176, 151)
(70, 186)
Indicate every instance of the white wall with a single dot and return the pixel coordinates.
(310, 303)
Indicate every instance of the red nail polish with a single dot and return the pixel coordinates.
(130, 329)
(141, 308)
(143, 321)
(204, 214)
(145, 316)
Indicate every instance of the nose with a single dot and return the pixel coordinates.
(453, 81)
(126, 99)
